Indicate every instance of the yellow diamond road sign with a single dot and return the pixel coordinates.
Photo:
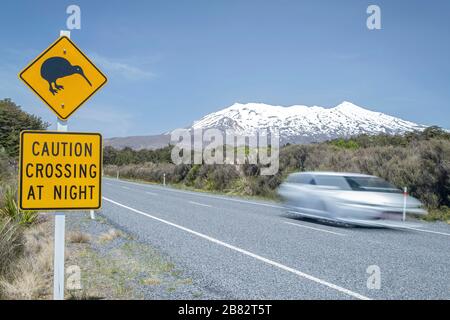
(60, 170)
(63, 77)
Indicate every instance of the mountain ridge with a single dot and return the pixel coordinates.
(295, 124)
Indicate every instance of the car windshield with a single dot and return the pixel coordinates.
(373, 184)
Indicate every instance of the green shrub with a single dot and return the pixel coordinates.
(12, 121)
(192, 175)
(9, 208)
(440, 214)
(345, 144)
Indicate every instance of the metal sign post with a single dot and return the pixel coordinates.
(60, 227)
(58, 263)
(405, 195)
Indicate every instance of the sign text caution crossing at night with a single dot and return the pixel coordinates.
(63, 77)
(60, 170)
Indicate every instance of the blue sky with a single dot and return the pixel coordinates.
(171, 62)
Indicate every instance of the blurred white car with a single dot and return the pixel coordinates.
(347, 197)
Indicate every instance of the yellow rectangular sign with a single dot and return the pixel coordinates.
(60, 170)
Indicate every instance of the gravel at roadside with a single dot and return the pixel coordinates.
(114, 265)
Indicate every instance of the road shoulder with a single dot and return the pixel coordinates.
(114, 265)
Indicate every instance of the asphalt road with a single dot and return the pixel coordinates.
(248, 249)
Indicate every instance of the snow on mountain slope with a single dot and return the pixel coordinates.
(302, 124)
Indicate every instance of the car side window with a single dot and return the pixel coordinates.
(300, 178)
(304, 179)
(333, 181)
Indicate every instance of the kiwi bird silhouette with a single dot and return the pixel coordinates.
(55, 68)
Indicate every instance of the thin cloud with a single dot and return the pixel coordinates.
(125, 70)
(109, 120)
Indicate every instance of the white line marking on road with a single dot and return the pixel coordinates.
(401, 227)
(247, 253)
(205, 195)
(429, 231)
(125, 187)
(200, 204)
(151, 193)
(317, 229)
(235, 200)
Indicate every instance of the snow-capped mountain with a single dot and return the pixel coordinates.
(302, 124)
(295, 124)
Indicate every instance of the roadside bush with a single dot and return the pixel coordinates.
(192, 175)
(441, 214)
(12, 121)
(28, 274)
(6, 167)
(220, 177)
(11, 243)
(10, 209)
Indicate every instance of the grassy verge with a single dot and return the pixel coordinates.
(113, 265)
(26, 248)
(441, 214)
(26, 260)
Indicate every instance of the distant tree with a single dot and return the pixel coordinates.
(109, 155)
(345, 144)
(126, 156)
(435, 132)
(12, 121)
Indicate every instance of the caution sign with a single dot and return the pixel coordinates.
(60, 170)
(63, 77)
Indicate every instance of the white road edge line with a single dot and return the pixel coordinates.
(200, 195)
(247, 253)
(317, 229)
(151, 193)
(200, 204)
(429, 231)
(125, 187)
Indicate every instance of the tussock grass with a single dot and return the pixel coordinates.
(29, 274)
(110, 235)
(78, 237)
(11, 243)
(151, 282)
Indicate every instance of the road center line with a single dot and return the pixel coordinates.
(125, 187)
(200, 204)
(317, 229)
(252, 202)
(204, 195)
(151, 193)
(247, 253)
